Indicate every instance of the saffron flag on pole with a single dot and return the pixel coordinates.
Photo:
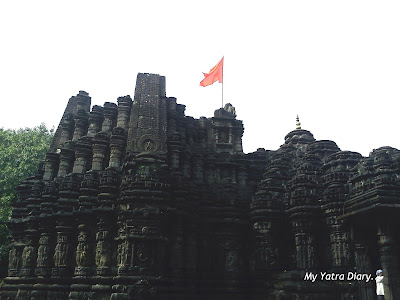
(215, 74)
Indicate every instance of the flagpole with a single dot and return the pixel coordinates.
(222, 94)
(223, 62)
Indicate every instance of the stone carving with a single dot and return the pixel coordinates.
(82, 250)
(43, 259)
(229, 108)
(61, 255)
(149, 145)
(102, 254)
(27, 256)
(13, 262)
(123, 254)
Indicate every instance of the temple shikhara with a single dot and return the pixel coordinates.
(135, 200)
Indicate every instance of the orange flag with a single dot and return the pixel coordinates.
(214, 74)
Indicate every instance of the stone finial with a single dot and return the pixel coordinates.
(229, 108)
(298, 124)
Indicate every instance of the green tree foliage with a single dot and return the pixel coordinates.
(20, 153)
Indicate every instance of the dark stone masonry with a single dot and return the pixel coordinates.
(135, 200)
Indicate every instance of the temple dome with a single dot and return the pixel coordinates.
(299, 136)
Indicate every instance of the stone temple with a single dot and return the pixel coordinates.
(135, 200)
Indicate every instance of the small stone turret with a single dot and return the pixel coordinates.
(227, 131)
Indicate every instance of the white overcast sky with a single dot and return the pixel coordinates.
(334, 63)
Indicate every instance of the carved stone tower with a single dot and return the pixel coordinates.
(148, 120)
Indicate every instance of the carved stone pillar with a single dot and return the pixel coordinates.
(174, 151)
(124, 111)
(45, 251)
(67, 157)
(117, 147)
(305, 253)
(110, 114)
(95, 120)
(49, 198)
(103, 246)
(67, 127)
(388, 250)
(83, 256)
(83, 151)
(23, 192)
(29, 253)
(363, 266)
(238, 133)
(43, 262)
(171, 110)
(338, 169)
(64, 252)
(336, 249)
(304, 209)
(267, 216)
(81, 125)
(69, 193)
(339, 239)
(88, 192)
(305, 245)
(100, 145)
(14, 260)
(266, 252)
(16, 248)
(35, 199)
(123, 256)
(109, 183)
(83, 101)
(51, 166)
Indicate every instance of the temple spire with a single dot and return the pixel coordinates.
(298, 124)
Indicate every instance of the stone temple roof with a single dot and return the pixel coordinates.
(299, 136)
